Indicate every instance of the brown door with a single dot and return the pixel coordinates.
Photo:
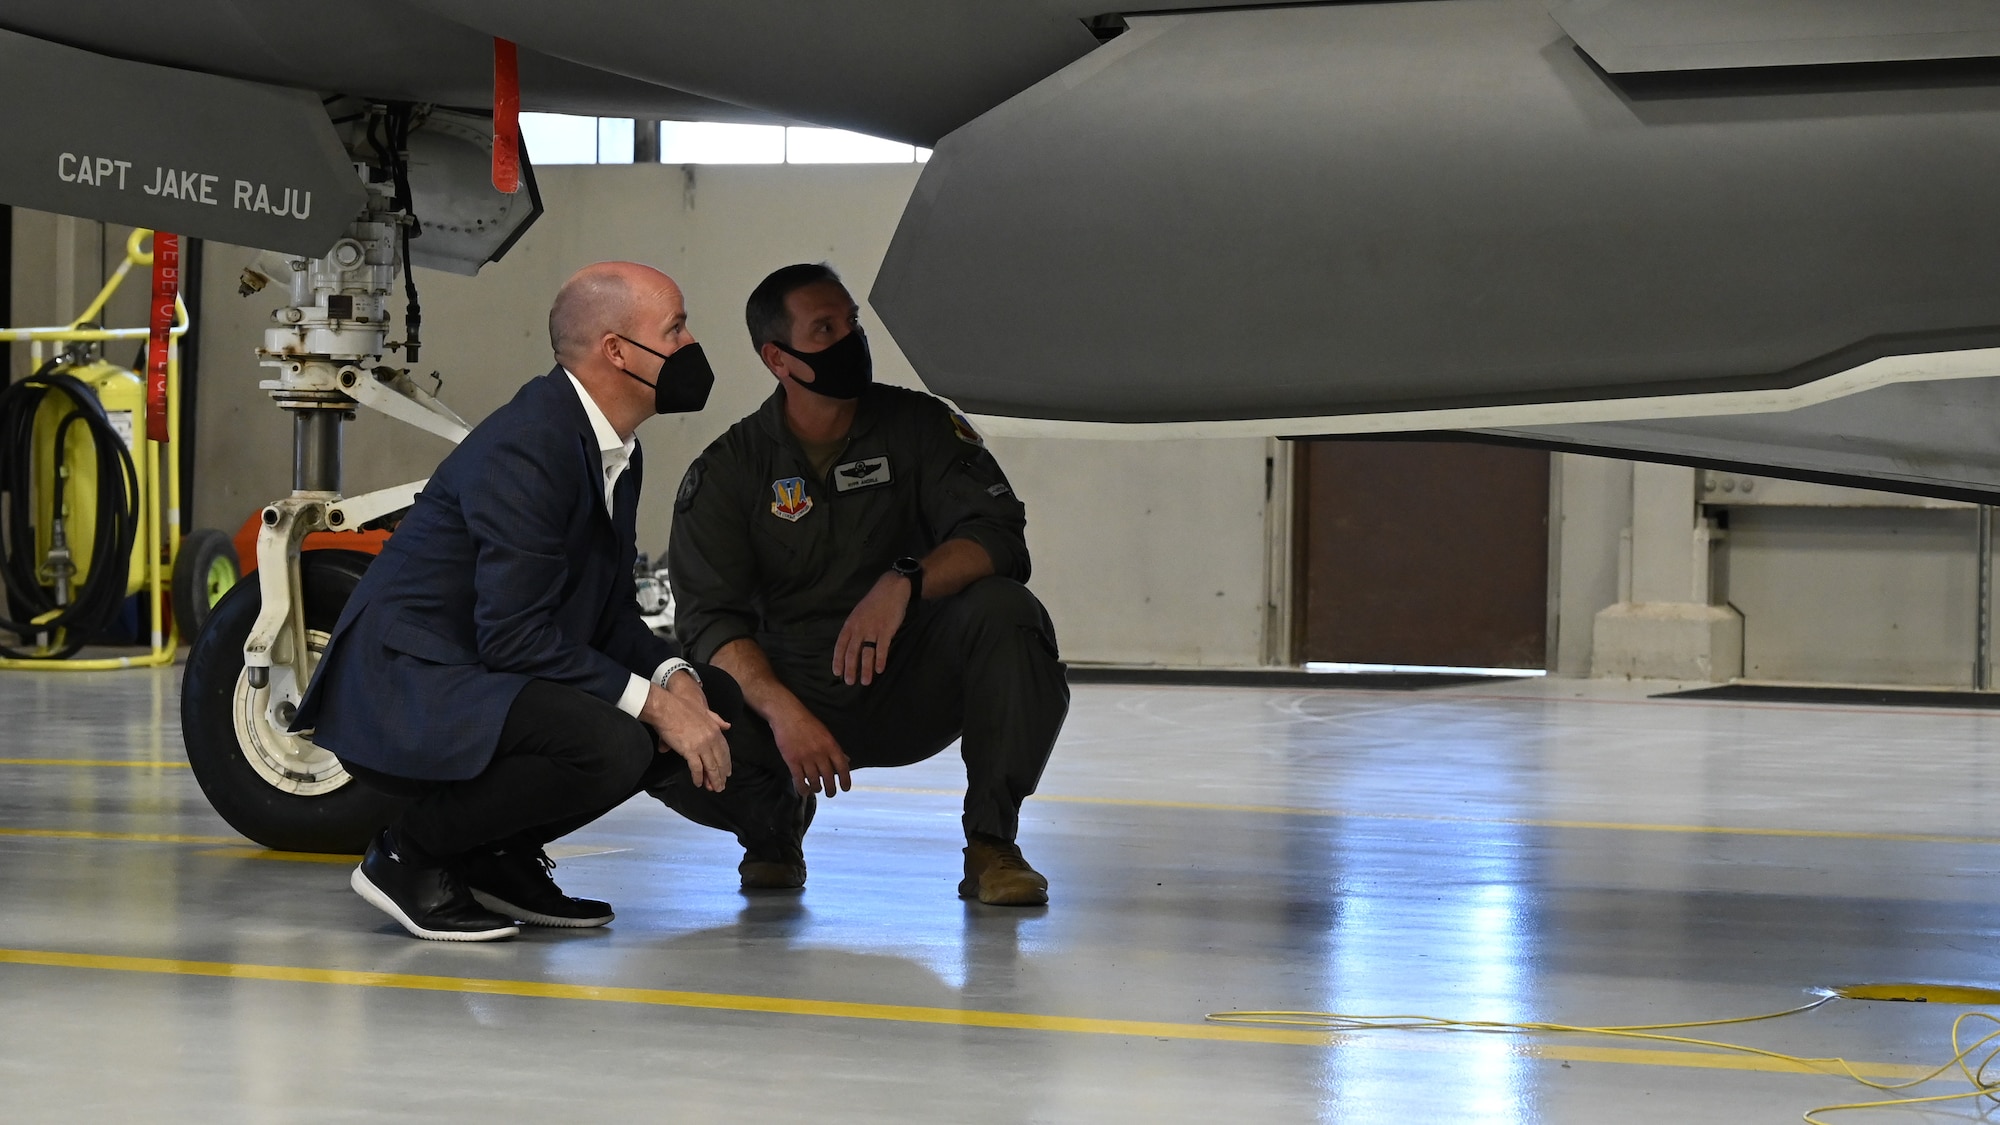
(1423, 553)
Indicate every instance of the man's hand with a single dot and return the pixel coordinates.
(810, 751)
(862, 651)
(680, 718)
(817, 762)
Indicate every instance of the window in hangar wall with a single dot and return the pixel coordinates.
(560, 138)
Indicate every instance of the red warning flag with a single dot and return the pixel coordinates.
(506, 118)
(166, 283)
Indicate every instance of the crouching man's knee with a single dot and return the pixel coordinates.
(634, 760)
(995, 603)
(724, 695)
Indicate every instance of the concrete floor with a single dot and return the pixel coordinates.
(1552, 850)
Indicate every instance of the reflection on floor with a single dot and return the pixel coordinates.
(1540, 850)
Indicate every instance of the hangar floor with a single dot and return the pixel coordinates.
(1553, 850)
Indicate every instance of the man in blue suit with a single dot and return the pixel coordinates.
(492, 663)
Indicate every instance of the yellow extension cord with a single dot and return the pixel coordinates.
(1976, 1075)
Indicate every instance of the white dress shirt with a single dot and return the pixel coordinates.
(617, 451)
(617, 454)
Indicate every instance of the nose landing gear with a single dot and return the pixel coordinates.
(250, 665)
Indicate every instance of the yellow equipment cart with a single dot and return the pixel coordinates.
(97, 484)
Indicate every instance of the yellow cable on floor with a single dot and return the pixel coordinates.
(1983, 1086)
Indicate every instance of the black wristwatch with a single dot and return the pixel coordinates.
(912, 569)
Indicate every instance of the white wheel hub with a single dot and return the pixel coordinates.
(287, 761)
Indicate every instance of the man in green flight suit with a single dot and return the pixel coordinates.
(852, 554)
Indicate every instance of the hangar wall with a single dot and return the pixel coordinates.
(59, 264)
(1593, 505)
(1680, 573)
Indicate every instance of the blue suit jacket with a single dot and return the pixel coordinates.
(507, 569)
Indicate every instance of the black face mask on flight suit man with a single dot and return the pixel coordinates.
(842, 369)
(684, 380)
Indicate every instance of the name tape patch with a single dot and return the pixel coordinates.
(865, 473)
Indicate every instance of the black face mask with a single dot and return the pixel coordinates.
(684, 381)
(842, 370)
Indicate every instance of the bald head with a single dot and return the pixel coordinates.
(601, 299)
(613, 326)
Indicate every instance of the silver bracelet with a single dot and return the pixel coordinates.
(675, 664)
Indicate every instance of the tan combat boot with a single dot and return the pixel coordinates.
(996, 875)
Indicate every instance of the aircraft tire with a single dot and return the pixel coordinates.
(274, 787)
(204, 572)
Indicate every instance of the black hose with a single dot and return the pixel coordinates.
(413, 311)
(97, 600)
(393, 151)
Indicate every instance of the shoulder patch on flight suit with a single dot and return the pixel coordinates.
(865, 473)
(790, 501)
(690, 486)
(965, 432)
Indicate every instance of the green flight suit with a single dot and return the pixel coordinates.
(763, 547)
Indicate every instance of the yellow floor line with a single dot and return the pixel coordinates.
(555, 851)
(1344, 814)
(244, 849)
(125, 837)
(287, 857)
(1716, 1060)
(578, 851)
(892, 1013)
(95, 763)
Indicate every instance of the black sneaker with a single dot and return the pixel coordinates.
(428, 898)
(516, 882)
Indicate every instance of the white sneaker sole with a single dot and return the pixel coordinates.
(368, 890)
(499, 906)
